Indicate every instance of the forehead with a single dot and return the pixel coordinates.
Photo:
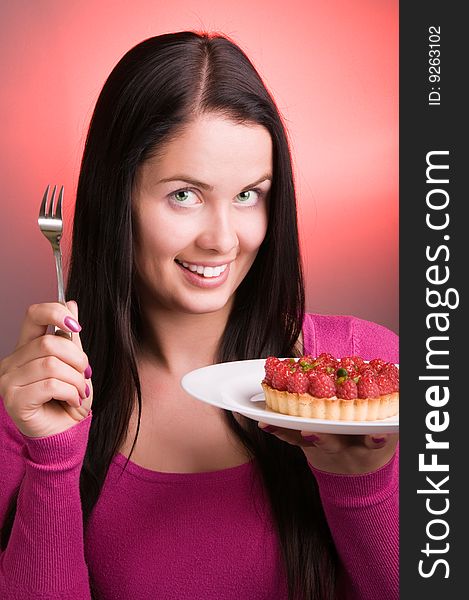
(214, 148)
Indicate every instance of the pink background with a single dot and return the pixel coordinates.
(333, 70)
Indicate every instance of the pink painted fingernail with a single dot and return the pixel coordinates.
(378, 440)
(88, 372)
(311, 438)
(87, 390)
(72, 324)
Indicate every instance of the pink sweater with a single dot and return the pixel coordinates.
(179, 536)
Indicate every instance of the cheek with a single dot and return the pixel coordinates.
(252, 232)
(162, 238)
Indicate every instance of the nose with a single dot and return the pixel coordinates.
(219, 232)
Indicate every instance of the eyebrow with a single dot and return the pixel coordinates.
(205, 186)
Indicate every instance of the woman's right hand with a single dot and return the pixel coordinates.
(43, 380)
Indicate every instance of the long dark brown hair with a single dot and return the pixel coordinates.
(155, 90)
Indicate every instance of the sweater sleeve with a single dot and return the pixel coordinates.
(44, 558)
(374, 340)
(363, 516)
(343, 335)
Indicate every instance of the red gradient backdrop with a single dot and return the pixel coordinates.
(333, 70)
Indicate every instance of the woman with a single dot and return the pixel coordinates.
(186, 167)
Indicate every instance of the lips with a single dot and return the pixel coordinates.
(200, 281)
(203, 270)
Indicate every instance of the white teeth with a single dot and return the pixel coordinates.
(205, 271)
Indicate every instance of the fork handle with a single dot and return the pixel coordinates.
(60, 284)
(61, 333)
(60, 279)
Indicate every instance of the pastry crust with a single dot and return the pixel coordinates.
(337, 409)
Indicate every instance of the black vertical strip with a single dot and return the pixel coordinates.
(434, 321)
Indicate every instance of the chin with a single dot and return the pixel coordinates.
(202, 306)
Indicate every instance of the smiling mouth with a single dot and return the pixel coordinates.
(204, 272)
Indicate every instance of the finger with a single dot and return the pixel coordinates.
(42, 347)
(310, 438)
(265, 427)
(292, 436)
(88, 371)
(41, 392)
(73, 306)
(328, 442)
(49, 367)
(40, 316)
(376, 440)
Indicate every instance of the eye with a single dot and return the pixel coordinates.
(181, 197)
(249, 197)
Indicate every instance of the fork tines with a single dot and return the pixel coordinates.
(49, 214)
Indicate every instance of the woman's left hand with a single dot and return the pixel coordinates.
(345, 454)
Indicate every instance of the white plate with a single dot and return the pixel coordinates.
(236, 386)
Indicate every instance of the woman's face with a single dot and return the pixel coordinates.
(200, 214)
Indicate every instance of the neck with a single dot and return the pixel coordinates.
(178, 342)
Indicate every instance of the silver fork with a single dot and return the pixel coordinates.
(51, 225)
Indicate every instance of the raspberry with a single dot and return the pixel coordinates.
(367, 387)
(280, 377)
(312, 374)
(270, 366)
(315, 372)
(291, 364)
(325, 368)
(385, 384)
(392, 377)
(349, 365)
(346, 390)
(321, 386)
(306, 363)
(327, 360)
(377, 364)
(326, 357)
(391, 371)
(366, 370)
(358, 360)
(298, 383)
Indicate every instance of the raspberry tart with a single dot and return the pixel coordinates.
(325, 387)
